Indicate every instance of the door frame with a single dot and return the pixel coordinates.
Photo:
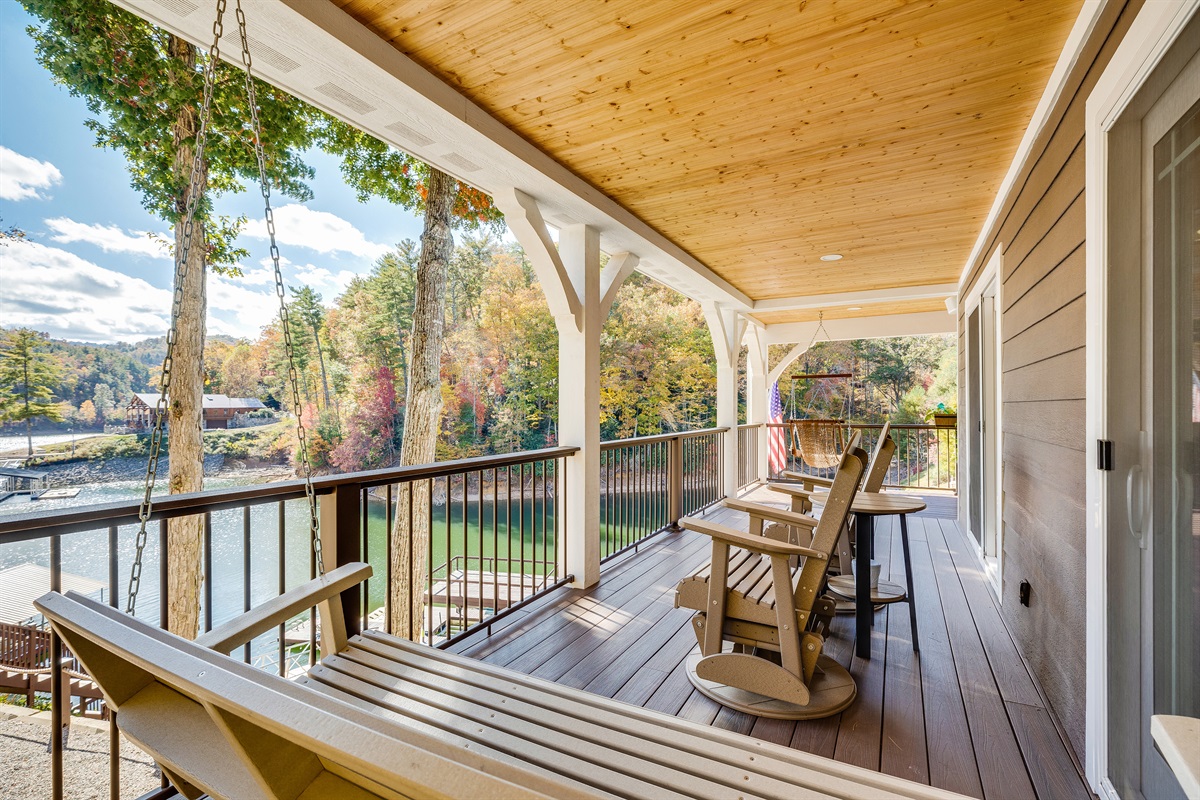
(1153, 32)
(990, 283)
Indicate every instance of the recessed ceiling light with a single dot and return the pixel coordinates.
(832, 257)
(854, 308)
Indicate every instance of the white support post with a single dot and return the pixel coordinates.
(579, 297)
(579, 401)
(726, 328)
(757, 388)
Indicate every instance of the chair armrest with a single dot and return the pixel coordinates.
(756, 544)
(771, 514)
(795, 491)
(815, 480)
(241, 629)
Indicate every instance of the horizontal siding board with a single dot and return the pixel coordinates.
(1064, 284)
(1057, 422)
(1060, 241)
(1059, 467)
(1048, 207)
(1057, 378)
(1061, 331)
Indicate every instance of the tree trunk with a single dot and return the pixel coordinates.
(321, 363)
(423, 406)
(185, 446)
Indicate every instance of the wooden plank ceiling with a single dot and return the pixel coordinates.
(759, 136)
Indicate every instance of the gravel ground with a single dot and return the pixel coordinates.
(25, 762)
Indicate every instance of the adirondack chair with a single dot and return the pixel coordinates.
(381, 717)
(814, 488)
(751, 597)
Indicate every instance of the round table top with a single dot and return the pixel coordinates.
(881, 503)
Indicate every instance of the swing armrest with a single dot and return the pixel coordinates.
(756, 544)
(770, 513)
(804, 477)
(241, 629)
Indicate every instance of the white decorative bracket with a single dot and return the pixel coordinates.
(618, 268)
(726, 327)
(524, 219)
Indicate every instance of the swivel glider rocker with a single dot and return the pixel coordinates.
(750, 596)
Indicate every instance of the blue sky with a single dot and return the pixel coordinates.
(90, 272)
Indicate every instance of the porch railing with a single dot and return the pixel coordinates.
(926, 455)
(747, 466)
(649, 482)
(495, 543)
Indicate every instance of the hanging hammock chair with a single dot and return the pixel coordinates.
(819, 443)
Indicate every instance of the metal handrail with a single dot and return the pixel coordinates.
(659, 437)
(74, 520)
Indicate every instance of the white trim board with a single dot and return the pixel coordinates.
(1152, 33)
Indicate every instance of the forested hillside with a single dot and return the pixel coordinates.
(499, 365)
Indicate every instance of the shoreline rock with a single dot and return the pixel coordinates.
(133, 468)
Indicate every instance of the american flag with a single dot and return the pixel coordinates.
(776, 446)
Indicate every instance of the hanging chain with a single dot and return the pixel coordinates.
(182, 252)
(314, 523)
(820, 327)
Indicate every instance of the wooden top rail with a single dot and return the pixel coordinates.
(73, 520)
(659, 437)
(873, 425)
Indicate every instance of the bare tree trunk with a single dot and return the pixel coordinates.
(185, 444)
(423, 406)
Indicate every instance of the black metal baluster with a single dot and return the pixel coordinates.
(282, 585)
(57, 712)
(246, 573)
(208, 572)
(114, 735)
(389, 514)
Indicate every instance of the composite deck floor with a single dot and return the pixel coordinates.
(963, 714)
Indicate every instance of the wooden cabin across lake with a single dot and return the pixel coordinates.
(218, 410)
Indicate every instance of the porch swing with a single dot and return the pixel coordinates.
(819, 442)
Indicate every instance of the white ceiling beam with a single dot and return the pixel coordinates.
(865, 327)
(319, 53)
(935, 291)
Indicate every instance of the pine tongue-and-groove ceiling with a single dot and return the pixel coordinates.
(759, 136)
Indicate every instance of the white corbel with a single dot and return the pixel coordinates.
(726, 327)
(524, 219)
(618, 268)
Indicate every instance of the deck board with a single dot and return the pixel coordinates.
(963, 714)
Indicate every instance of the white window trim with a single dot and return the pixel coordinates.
(1152, 33)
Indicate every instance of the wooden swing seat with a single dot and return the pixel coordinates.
(386, 718)
(762, 592)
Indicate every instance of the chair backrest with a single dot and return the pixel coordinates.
(224, 728)
(837, 507)
(881, 460)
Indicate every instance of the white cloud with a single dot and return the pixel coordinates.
(330, 284)
(21, 176)
(52, 290)
(250, 309)
(108, 238)
(300, 226)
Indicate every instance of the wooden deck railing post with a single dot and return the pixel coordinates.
(675, 481)
(341, 543)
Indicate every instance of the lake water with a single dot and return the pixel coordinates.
(491, 530)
